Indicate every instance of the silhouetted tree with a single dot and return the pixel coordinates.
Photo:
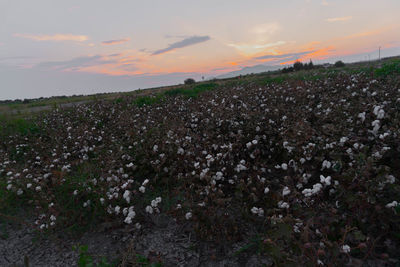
(309, 66)
(339, 64)
(189, 81)
(298, 66)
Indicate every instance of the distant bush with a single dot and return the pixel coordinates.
(190, 81)
(339, 64)
(287, 69)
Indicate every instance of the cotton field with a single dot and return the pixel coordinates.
(312, 165)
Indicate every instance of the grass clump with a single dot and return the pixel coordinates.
(192, 92)
(86, 260)
(271, 80)
(10, 126)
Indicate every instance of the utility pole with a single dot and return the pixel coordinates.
(379, 53)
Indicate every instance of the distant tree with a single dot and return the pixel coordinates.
(298, 66)
(339, 64)
(309, 66)
(189, 81)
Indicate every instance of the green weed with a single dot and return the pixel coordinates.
(147, 100)
(389, 68)
(192, 92)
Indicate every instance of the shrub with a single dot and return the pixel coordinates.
(190, 81)
(339, 64)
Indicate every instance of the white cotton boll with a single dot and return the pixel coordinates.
(266, 190)
(20, 192)
(325, 180)
(326, 164)
(361, 116)
(284, 166)
(75, 192)
(9, 186)
(248, 145)
(145, 182)
(102, 201)
(316, 188)
(345, 249)
(392, 204)
(53, 218)
(390, 179)
(181, 151)
(38, 188)
(29, 185)
(149, 209)
(188, 216)
(254, 210)
(302, 160)
(343, 140)
(142, 189)
(285, 191)
(254, 142)
(128, 220)
(260, 212)
(138, 226)
(117, 209)
(283, 205)
(126, 196)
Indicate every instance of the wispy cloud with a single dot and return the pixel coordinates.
(285, 56)
(75, 63)
(114, 42)
(183, 43)
(325, 3)
(54, 37)
(267, 28)
(14, 58)
(254, 48)
(338, 19)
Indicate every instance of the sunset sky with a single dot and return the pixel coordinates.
(70, 47)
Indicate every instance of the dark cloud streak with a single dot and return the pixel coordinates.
(183, 43)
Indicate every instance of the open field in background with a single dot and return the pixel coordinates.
(266, 169)
(23, 108)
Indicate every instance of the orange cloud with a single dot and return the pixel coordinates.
(317, 54)
(55, 37)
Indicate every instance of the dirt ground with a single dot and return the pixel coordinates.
(161, 240)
